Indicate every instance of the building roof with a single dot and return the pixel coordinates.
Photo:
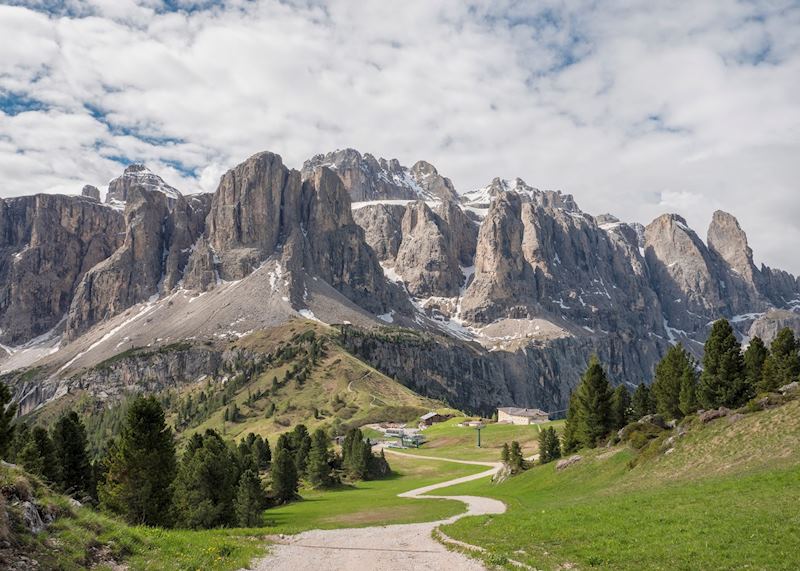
(529, 412)
(428, 415)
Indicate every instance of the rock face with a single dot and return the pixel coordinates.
(245, 221)
(47, 244)
(382, 224)
(427, 258)
(367, 178)
(91, 192)
(160, 232)
(538, 255)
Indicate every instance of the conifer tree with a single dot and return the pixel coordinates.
(504, 453)
(549, 446)
(69, 440)
(642, 402)
(594, 404)
(141, 466)
(782, 366)
(722, 382)
(754, 357)
(301, 443)
(688, 396)
(205, 484)
(39, 455)
(319, 458)
(515, 459)
(620, 407)
(262, 452)
(7, 412)
(553, 444)
(250, 500)
(571, 440)
(284, 472)
(671, 371)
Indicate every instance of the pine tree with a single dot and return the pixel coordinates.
(571, 440)
(504, 453)
(39, 455)
(141, 466)
(594, 404)
(722, 382)
(620, 407)
(301, 443)
(7, 412)
(671, 371)
(642, 402)
(205, 484)
(262, 453)
(549, 446)
(754, 357)
(284, 472)
(319, 458)
(553, 444)
(515, 459)
(687, 399)
(69, 439)
(250, 500)
(782, 366)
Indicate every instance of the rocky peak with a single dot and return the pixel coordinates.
(727, 239)
(432, 183)
(91, 192)
(137, 175)
(482, 197)
(683, 272)
(367, 178)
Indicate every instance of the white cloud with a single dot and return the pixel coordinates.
(634, 107)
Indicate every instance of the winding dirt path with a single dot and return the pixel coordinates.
(385, 548)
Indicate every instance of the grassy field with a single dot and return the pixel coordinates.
(81, 537)
(726, 498)
(448, 440)
(372, 503)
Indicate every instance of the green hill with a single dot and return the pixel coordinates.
(723, 496)
(269, 381)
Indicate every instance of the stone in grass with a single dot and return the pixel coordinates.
(567, 462)
(709, 415)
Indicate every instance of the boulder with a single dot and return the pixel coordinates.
(709, 415)
(567, 462)
(31, 518)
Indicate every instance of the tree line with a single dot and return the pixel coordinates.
(213, 483)
(730, 376)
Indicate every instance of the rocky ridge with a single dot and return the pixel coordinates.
(513, 286)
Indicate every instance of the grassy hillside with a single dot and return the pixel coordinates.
(448, 440)
(82, 538)
(337, 390)
(276, 378)
(726, 497)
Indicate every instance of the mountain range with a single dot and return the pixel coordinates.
(495, 296)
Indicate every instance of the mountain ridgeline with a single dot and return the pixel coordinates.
(495, 296)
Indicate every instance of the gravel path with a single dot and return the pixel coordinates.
(383, 548)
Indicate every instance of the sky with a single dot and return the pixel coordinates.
(635, 107)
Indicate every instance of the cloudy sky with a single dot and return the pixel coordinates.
(635, 107)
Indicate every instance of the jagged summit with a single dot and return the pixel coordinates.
(367, 178)
(481, 198)
(137, 174)
(515, 283)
